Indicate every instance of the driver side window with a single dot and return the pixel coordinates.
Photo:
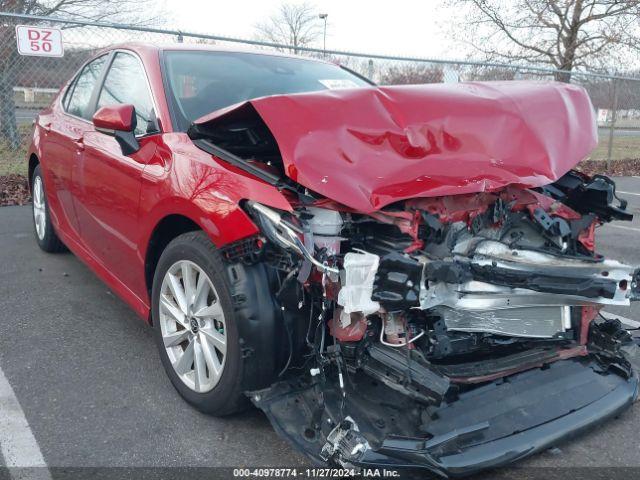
(126, 82)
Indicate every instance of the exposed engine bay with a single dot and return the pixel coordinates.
(412, 311)
(452, 332)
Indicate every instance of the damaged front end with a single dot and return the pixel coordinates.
(451, 333)
(433, 321)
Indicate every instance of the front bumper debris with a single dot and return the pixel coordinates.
(451, 334)
(491, 426)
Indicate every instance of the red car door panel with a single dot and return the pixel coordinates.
(108, 182)
(108, 193)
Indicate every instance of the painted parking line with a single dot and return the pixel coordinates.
(627, 321)
(628, 193)
(633, 229)
(17, 443)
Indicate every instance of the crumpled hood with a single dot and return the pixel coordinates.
(369, 147)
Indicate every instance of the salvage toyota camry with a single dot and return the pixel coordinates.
(397, 276)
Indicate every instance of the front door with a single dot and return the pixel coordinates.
(109, 182)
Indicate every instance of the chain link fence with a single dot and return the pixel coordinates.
(28, 83)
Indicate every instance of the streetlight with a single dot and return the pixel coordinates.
(323, 16)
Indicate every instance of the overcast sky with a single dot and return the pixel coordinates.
(398, 27)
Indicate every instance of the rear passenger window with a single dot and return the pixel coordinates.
(79, 94)
(126, 82)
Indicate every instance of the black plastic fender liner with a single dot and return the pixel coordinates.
(491, 426)
(260, 324)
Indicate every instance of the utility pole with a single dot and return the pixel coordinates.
(323, 16)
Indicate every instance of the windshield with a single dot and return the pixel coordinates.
(200, 82)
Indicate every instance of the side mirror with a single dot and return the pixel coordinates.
(118, 121)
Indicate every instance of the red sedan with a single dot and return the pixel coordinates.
(397, 276)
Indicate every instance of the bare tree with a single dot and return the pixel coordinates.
(139, 12)
(562, 33)
(293, 24)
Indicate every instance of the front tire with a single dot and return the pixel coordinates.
(195, 326)
(45, 234)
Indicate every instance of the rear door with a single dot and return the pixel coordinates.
(64, 130)
(109, 182)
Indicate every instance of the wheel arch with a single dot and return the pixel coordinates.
(162, 225)
(168, 228)
(34, 161)
(262, 324)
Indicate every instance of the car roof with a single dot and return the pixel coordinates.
(143, 47)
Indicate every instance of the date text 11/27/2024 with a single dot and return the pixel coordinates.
(315, 473)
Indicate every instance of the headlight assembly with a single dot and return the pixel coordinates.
(284, 234)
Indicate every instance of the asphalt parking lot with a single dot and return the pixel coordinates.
(87, 376)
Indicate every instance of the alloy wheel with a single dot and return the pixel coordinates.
(39, 209)
(193, 327)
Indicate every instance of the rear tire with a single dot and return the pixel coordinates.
(46, 236)
(195, 326)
